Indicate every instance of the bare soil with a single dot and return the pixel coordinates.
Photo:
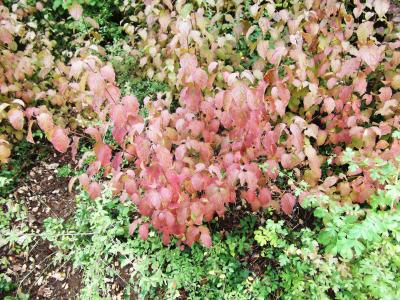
(45, 195)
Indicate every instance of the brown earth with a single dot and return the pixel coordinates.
(45, 195)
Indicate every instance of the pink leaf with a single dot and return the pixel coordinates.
(96, 84)
(16, 118)
(297, 137)
(29, 136)
(76, 69)
(262, 48)
(360, 84)
(180, 152)
(119, 134)
(154, 199)
(84, 181)
(272, 168)
(103, 153)
(371, 55)
(5, 36)
(74, 147)
(381, 7)
(274, 56)
(116, 161)
(60, 140)
(131, 104)
(94, 133)
(200, 78)
(197, 182)
(108, 73)
(205, 237)
(45, 122)
(329, 105)
(130, 186)
(118, 115)
(348, 67)
(265, 197)
(94, 190)
(164, 157)
(192, 235)
(313, 161)
(287, 203)
(75, 10)
(330, 181)
(133, 226)
(191, 97)
(144, 231)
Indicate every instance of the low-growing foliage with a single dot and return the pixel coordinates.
(97, 237)
(348, 252)
(15, 237)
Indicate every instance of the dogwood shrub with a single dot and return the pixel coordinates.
(256, 92)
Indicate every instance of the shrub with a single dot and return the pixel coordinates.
(255, 91)
(234, 133)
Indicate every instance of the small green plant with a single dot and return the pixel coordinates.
(90, 240)
(9, 173)
(15, 237)
(65, 171)
(6, 284)
(304, 271)
(13, 226)
(97, 238)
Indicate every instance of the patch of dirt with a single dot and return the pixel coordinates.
(45, 195)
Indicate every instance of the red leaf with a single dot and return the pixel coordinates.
(84, 181)
(130, 186)
(94, 190)
(74, 147)
(287, 203)
(265, 197)
(118, 115)
(144, 231)
(103, 154)
(131, 104)
(117, 160)
(94, 133)
(197, 182)
(205, 237)
(60, 140)
(192, 234)
(133, 226)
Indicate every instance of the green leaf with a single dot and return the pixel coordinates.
(186, 10)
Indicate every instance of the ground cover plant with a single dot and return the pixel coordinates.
(280, 114)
